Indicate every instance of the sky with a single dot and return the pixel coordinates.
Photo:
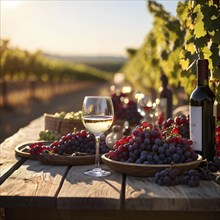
(77, 27)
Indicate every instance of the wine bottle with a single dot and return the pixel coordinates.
(166, 99)
(202, 120)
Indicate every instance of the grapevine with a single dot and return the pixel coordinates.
(201, 19)
(18, 64)
(176, 42)
(159, 53)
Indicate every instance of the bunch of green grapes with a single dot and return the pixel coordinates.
(48, 135)
(69, 115)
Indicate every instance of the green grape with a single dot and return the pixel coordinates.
(49, 135)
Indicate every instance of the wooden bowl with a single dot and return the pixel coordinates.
(62, 126)
(146, 170)
(22, 149)
(54, 159)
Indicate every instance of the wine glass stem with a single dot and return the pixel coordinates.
(97, 138)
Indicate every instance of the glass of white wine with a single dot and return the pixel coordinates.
(97, 117)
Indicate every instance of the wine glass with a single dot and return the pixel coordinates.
(144, 105)
(97, 117)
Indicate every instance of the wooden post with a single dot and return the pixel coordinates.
(4, 93)
(32, 89)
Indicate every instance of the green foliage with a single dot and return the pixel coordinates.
(201, 20)
(159, 52)
(18, 64)
(175, 43)
(131, 52)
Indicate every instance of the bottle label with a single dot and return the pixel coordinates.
(196, 127)
(163, 102)
(163, 106)
(215, 109)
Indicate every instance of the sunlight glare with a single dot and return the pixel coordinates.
(10, 3)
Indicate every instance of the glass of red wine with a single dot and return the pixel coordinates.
(145, 106)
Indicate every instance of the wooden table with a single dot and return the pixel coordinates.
(31, 190)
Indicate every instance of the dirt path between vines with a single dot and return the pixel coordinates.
(12, 119)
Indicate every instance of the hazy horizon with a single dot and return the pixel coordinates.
(77, 28)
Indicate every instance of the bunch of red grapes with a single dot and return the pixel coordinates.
(178, 125)
(82, 141)
(148, 145)
(171, 177)
(125, 108)
(117, 100)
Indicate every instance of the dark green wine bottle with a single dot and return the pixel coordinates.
(202, 120)
(166, 98)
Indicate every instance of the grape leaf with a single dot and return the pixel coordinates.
(216, 37)
(206, 51)
(164, 55)
(184, 63)
(182, 11)
(190, 47)
(213, 17)
(200, 42)
(215, 57)
(216, 74)
(199, 29)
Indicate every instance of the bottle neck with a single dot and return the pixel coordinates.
(202, 82)
(164, 85)
(202, 73)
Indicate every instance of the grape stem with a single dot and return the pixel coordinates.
(171, 165)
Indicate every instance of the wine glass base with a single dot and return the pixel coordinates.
(97, 172)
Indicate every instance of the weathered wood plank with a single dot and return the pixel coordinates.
(68, 214)
(170, 215)
(65, 214)
(32, 185)
(144, 194)
(8, 159)
(80, 191)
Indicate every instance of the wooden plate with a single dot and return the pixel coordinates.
(146, 169)
(54, 159)
(22, 149)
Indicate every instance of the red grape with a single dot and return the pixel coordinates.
(175, 130)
